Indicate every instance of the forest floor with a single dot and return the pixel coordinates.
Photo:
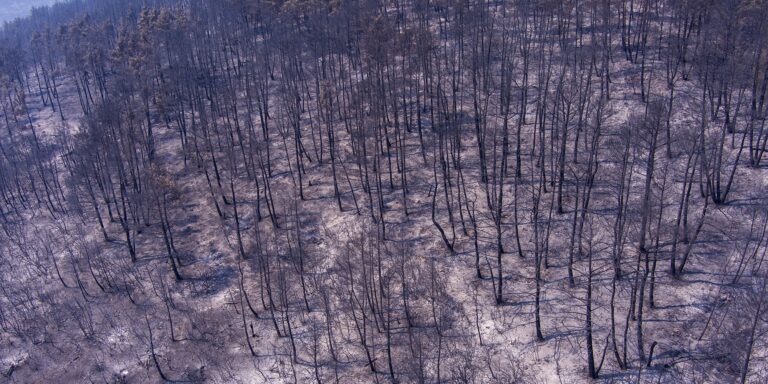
(206, 307)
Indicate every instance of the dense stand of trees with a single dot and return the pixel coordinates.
(358, 189)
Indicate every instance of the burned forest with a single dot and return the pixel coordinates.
(384, 191)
